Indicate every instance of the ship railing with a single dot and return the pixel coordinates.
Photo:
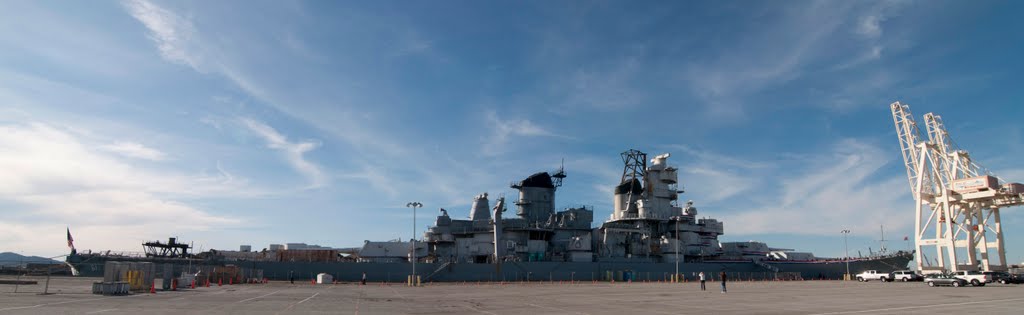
(578, 206)
(638, 216)
(109, 253)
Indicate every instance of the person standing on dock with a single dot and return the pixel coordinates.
(364, 279)
(724, 277)
(702, 279)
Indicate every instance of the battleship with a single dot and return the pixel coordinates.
(650, 236)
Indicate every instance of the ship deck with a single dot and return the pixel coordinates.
(796, 297)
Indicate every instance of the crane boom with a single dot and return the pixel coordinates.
(909, 135)
(957, 202)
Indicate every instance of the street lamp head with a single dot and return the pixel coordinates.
(414, 204)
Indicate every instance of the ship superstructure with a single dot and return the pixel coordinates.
(536, 233)
(647, 224)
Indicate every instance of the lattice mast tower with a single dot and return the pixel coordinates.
(956, 201)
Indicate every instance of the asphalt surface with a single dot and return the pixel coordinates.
(72, 296)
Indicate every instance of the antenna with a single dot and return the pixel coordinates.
(882, 241)
(559, 175)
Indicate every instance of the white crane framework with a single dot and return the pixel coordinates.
(956, 201)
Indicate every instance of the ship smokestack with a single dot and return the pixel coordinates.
(481, 208)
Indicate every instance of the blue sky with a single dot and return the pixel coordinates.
(245, 122)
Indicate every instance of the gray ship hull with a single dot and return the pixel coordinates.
(544, 271)
(576, 271)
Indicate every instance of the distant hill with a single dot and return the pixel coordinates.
(13, 259)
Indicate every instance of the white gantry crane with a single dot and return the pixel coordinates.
(956, 201)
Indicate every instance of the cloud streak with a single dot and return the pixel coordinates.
(294, 152)
(135, 150)
(171, 33)
(506, 130)
(824, 192)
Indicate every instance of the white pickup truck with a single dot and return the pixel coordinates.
(869, 275)
(975, 278)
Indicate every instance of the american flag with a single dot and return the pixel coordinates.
(71, 241)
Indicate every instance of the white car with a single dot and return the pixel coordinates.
(905, 275)
(975, 278)
(873, 275)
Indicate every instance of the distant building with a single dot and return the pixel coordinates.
(390, 252)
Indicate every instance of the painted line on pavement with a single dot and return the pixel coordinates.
(917, 307)
(49, 304)
(307, 299)
(261, 296)
(479, 310)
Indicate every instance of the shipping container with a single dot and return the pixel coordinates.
(308, 255)
(1014, 188)
(975, 184)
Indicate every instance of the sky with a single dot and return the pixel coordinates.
(226, 123)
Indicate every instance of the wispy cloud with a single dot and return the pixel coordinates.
(870, 26)
(798, 44)
(55, 175)
(723, 184)
(377, 179)
(179, 41)
(842, 187)
(505, 130)
(771, 55)
(713, 177)
(514, 127)
(171, 32)
(870, 54)
(135, 150)
(294, 151)
(707, 156)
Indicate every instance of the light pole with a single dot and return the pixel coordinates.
(677, 248)
(412, 252)
(846, 248)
